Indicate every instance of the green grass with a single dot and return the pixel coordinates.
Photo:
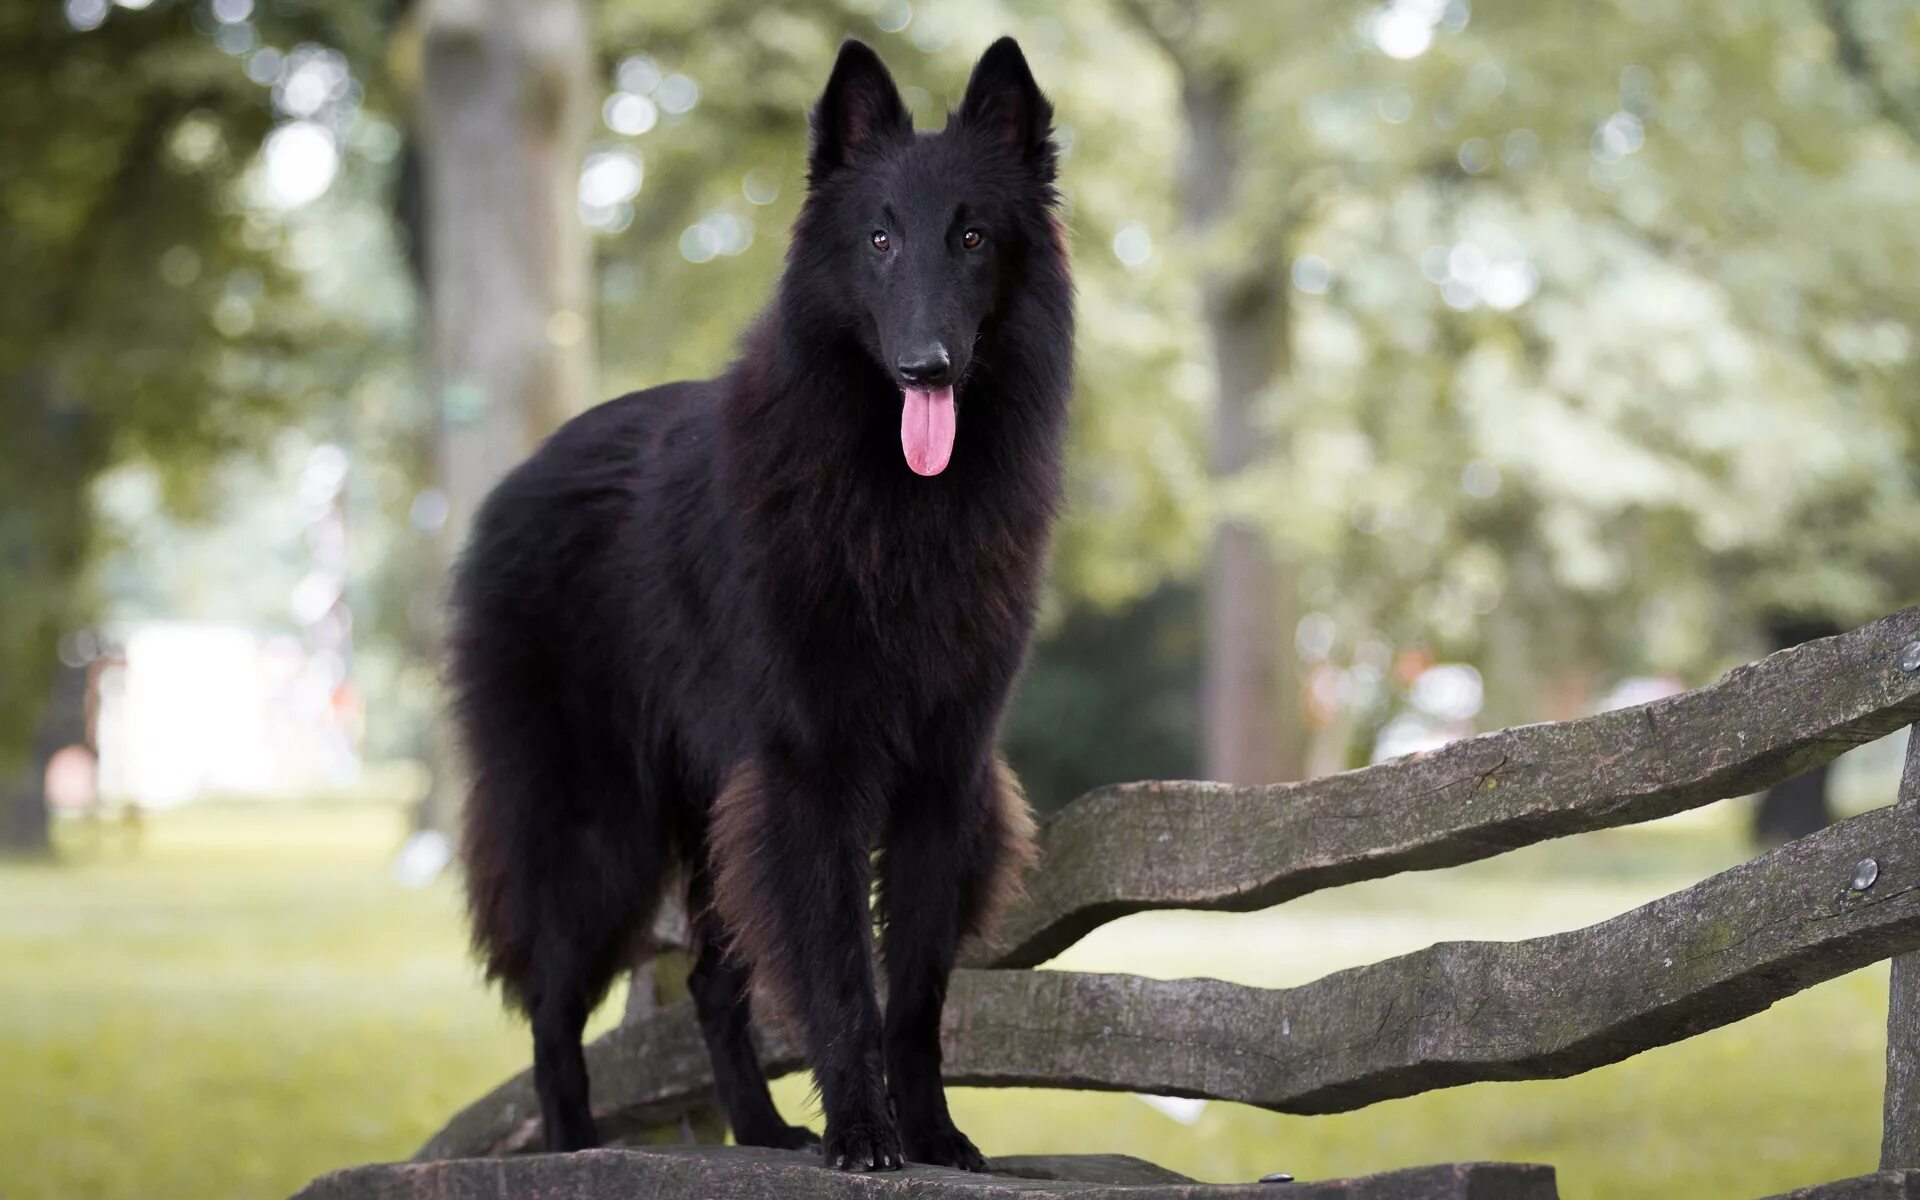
(248, 1000)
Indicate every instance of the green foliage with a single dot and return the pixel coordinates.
(150, 314)
(1703, 413)
(1110, 698)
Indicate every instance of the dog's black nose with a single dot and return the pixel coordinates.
(928, 367)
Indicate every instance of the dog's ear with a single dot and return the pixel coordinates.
(859, 110)
(1004, 101)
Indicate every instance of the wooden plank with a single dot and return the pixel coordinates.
(1454, 1013)
(1465, 1011)
(1900, 1125)
(1887, 1185)
(1141, 846)
(744, 1173)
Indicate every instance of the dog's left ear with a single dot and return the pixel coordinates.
(1004, 101)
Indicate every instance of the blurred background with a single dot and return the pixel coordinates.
(1442, 366)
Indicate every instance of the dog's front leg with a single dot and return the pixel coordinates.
(923, 873)
(790, 851)
(957, 844)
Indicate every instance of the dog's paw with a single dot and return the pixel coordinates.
(945, 1147)
(779, 1137)
(863, 1146)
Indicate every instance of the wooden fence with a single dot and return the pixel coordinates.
(1454, 1013)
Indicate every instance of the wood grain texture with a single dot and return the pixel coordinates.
(1141, 846)
(743, 1173)
(1455, 1013)
(1900, 1124)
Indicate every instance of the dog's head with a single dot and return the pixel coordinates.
(918, 238)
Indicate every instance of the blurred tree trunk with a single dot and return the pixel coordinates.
(1795, 807)
(54, 452)
(25, 825)
(1250, 679)
(63, 723)
(506, 99)
(31, 709)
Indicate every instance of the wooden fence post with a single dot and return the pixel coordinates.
(1900, 1130)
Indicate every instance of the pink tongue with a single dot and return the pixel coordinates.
(926, 429)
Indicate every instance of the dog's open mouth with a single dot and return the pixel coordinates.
(926, 428)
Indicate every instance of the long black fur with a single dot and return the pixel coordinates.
(719, 632)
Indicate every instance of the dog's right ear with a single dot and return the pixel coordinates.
(860, 109)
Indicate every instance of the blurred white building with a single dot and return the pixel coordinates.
(192, 709)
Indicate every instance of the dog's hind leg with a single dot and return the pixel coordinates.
(721, 998)
(597, 888)
(558, 1004)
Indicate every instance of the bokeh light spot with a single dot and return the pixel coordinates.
(1132, 244)
(629, 114)
(677, 94)
(300, 159)
(1480, 479)
(86, 14)
(1312, 274)
(610, 177)
(760, 187)
(638, 74)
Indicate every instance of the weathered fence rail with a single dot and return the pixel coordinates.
(1143, 846)
(1453, 1013)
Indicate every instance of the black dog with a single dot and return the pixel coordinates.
(743, 631)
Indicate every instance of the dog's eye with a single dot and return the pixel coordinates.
(881, 241)
(972, 239)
